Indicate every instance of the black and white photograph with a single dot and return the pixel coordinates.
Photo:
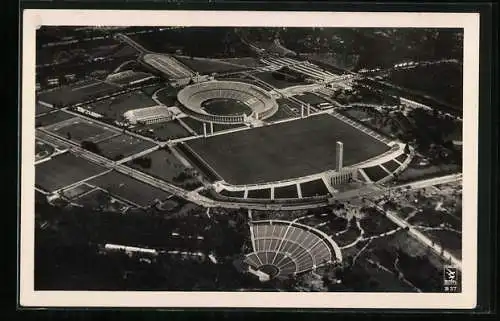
(222, 159)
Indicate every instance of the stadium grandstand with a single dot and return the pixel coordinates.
(282, 249)
(167, 65)
(262, 104)
(303, 67)
(148, 115)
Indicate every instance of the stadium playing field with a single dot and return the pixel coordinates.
(285, 150)
(221, 106)
(128, 188)
(122, 146)
(78, 130)
(63, 170)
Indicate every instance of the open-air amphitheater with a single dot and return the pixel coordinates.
(282, 249)
(258, 100)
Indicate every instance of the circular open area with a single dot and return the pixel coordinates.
(224, 106)
(194, 99)
(283, 248)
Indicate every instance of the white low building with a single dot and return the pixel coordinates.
(148, 115)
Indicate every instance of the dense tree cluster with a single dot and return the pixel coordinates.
(91, 147)
(144, 162)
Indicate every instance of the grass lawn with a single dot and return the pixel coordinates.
(63, 170)
(306, 146)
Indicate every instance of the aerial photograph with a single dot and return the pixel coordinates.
(251, 159)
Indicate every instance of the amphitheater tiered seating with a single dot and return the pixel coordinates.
(288, 247)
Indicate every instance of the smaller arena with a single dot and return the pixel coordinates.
(194, 100)
(283, 248)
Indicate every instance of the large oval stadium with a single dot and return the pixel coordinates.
(283, 248)
(243, 100)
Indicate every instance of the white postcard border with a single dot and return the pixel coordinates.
(467, 299)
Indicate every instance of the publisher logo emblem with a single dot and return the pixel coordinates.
(450, 279)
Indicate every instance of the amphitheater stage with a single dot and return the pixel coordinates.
(285, 150)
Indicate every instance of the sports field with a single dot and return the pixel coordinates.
(52, 118)
(128, 188)
(208, 65)
(122, 146)
(221, 106)
(116, 106)
(42, 150)
(69, 95)
(164, 165)
(78, 130)
(285, 150)
(164, 131)
(78, 190)
(63, 170)
(41, 109)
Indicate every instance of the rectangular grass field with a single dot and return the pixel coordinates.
(78, 130)
(128, 188)
(123, 145)
(52, 118)
(115, 107)
(41, 109)
(286, 150)
(63, 170)
(77, 93)
(164, 131)
(164, 165)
